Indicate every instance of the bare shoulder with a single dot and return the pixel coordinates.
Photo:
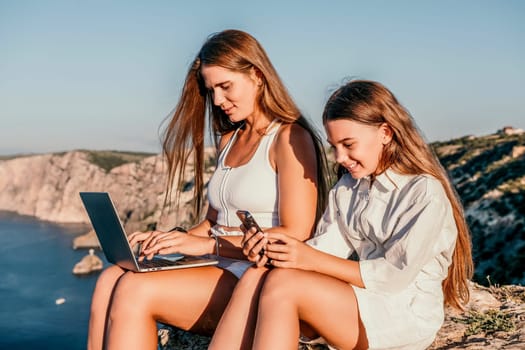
(293, 144)
(293, 135)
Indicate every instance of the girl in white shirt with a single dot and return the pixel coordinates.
(395, 208)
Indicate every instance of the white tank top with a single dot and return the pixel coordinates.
(252, 186)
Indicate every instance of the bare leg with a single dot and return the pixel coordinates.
(191, 299)
(237, 325)
(326, 304)
(100, 305)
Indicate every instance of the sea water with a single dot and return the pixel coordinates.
(36, 262)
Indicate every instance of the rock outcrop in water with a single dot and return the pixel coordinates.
(88, 264)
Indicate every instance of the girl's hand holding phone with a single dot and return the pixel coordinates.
(286, 251)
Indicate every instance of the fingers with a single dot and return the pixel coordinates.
(258, 248)
(247, 242)
(248, 234)
(253, 244)
(284, 251)
(256, 252)
(154, 238)
(158, 243)
(277, 247)
(153, 242)
(137, 237)
(279, 237)
(262, 260)
(277, 252)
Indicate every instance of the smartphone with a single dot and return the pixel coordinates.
(248, 221)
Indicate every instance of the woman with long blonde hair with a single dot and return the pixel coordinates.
(270, 162)
(395, 208)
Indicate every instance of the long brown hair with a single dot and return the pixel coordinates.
(372, 103)
(184, 135)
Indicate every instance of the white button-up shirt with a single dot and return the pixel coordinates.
(403, 231)
(401, 227)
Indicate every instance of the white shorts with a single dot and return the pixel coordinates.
(235, 266)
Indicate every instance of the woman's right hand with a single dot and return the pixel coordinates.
(139, 238)
(253, 244)
(159, 242)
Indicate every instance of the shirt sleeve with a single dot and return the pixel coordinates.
(328, 236)
(425, 230)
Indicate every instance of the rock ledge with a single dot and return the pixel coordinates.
(493, 319)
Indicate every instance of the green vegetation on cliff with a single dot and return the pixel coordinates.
(108, 160)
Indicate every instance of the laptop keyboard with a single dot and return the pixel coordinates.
(156, 263)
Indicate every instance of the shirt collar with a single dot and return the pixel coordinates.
(388, 180)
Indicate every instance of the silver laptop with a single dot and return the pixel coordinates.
(114, 242)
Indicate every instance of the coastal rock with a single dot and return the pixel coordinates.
(46, 186)
(90, 263)
(493, 319)
(50, 185)
(88, 240)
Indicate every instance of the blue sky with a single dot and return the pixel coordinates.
(104, 74)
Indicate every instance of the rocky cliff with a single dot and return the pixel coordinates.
(47, 186)
(489, 175)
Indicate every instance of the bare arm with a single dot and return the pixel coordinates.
(293, 155)
(202, 229)
(291, 253)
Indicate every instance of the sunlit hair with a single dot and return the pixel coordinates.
(371, 103)
(184, 135)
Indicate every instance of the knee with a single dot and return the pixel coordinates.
(109, 277)
(131, 289)
(104, 288)
(129, 297)
(279, 285)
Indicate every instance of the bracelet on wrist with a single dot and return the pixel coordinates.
(216, 238)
